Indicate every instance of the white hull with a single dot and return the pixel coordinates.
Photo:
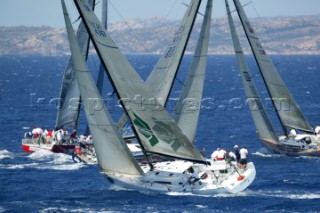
(170, 177)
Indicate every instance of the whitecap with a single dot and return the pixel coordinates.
(54, 161)
(263, 154)
(19, 166)
(41, 154)
(5, 154)
(64, 209)
(223, 195)
(25, 127)
(304, 196)
(201, 206)
(2, 209)
(73, 166)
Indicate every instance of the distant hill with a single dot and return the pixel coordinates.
(279, 35)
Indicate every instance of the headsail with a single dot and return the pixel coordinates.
(99, 83)
(188, 106)
(284, 103)
(156, 130)
(112, 152)
(162, 76)
(69, 103)
(260, 118)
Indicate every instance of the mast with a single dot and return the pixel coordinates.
(281, 97)
(263, 125)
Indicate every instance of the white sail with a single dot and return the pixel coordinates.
(112, 152)
(155, 128)
(99, 83)
(69, 102)
(285, 105)
(259, 116)
(162, 76)
(104, 21)
(188, 107)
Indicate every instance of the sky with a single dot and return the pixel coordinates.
(49, 12)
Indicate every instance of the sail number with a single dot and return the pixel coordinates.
(247, 76)
(170, 52)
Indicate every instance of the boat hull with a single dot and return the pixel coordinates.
(57, 148)
(164, 180)
(287, 149)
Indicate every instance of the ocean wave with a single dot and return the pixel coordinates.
(284, 194)
(265, 155)
(54, 161)
(19, 166)
(48, 156)
(5, 154)
(223, 195)
(2, 209)
(64, 209)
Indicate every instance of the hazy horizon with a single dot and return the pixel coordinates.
(49, 13)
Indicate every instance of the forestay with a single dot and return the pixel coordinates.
(260, 118)
(285, 105)
(112, 152)
(188, 107)
(155, 128)
(69, 102)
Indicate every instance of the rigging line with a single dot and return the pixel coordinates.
(132, 32)
(246, 4)
(271, 38)
(180, 81)
(146, 50)
(197, 12)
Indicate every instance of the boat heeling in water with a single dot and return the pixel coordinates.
(220, 177)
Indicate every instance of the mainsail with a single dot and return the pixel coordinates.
(286, 107)
(187, 109)
(69, 102)
(155, 128)
(112, 152)
(162, 76)
(260, 118)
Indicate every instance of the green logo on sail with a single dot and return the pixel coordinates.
(163, 131)
(145, 130)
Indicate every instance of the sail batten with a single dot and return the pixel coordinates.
(264, 127)
(112, 152)
(155, 128)
(285, 106)
(187, 116)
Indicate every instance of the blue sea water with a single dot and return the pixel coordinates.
(47, 182)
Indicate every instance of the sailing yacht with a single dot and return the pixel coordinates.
(156, 131)
(286, 108)
(68, 106)
(160, 80)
